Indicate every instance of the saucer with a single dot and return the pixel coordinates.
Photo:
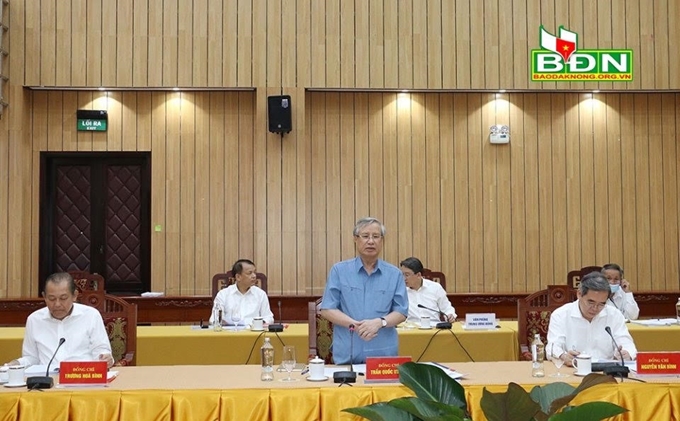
(257, 330)
(425, 328)
(14, 385)
(576, 373)
(320, 379)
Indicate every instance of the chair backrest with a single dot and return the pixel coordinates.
(223, 280)
(86, 281)
(574, 276)
(533, 312)
(120, 321)
(435, 276)
(320, 333)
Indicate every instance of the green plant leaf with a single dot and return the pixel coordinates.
(515, 404)
(381, 411)
(432, 384)
(428, 410)
(590, 411)
(592, 379)
(546, 394)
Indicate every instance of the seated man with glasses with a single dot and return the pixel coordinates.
(425, 292)
(580, 326)
(622, 295)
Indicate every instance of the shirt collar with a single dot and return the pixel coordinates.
(359, 265)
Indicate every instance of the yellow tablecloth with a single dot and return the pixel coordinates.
(202, 393)
(482, 345)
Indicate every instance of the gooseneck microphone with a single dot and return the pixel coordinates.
(617, 370)
(350, 376)
(277, 327)
(46, 382)
(440, 325)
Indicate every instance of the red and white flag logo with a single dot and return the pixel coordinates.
(564, 45)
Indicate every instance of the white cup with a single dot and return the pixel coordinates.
(425, 322)
(316, 368)
(258, 323)
(4, 374)
(16, 375)
(583, 364)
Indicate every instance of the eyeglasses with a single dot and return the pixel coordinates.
(374, 237)
(407, 275)
(595, 304)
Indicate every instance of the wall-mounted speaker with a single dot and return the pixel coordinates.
(279, 114)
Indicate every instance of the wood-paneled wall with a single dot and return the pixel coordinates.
(583, 180)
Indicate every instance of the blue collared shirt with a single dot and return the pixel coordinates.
(361, 296)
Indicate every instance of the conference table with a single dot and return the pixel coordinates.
(190, 345)
(234, 392)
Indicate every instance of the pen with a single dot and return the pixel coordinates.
(305, 371)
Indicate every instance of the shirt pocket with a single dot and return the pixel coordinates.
(383, 301)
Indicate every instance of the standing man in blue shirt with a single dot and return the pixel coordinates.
(369, 294)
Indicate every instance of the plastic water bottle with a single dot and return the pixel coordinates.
(217, 318)
(267, 358)
(537, 357)
(677, 310)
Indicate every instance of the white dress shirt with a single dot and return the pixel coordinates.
(432, 295)
(625, 303)
(569, 330)
(83, 330)
(254, 303)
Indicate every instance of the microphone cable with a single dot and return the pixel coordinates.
(428, 344)
(461, 345)
(253, 347)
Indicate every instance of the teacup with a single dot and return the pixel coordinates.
(425, 322)
(316, 368)
(583, 364)
(16, 375)
(258, 323)
(4, 374)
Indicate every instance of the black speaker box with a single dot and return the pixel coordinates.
(279, 114)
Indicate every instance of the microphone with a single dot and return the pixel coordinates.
(622, 370)
(440, 325)
(46, 382)
(277, 327)
(347, 376)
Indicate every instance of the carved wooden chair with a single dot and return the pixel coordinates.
(120, 321)
(86, 281)
(223, 280)
(574, 276)
(320, 333)
(435, 276)
(533, 314)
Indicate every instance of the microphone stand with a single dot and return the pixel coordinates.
(46, 382)
(277, 327)
(440, 325)
(621, 371)
(347, 377)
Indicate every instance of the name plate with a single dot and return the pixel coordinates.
(384, 369)
(479, 321)
(658, 363)
(83, 372)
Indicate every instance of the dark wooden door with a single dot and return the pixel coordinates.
(95, 215)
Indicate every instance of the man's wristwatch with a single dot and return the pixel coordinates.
(383, 321)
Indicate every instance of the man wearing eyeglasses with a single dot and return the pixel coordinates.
(367, 293)
(580, 327)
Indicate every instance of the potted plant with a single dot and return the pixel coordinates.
(439, 397)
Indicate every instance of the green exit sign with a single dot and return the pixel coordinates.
(92, 120)
(92, 125)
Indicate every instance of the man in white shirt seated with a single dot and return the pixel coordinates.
(425, 292)
(80, 325)
(580, 326)
(622, 296)
(242, 301)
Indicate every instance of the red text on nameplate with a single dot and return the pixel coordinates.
(659, 363)
(83, 372)
(384, 368)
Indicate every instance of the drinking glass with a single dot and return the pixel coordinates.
(288, 361)
(236, 316)
(559, 362)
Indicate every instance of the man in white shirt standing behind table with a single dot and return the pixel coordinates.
(80, 325)
(581, 326)
(622, 297)
(242, 301)
(425, 292)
